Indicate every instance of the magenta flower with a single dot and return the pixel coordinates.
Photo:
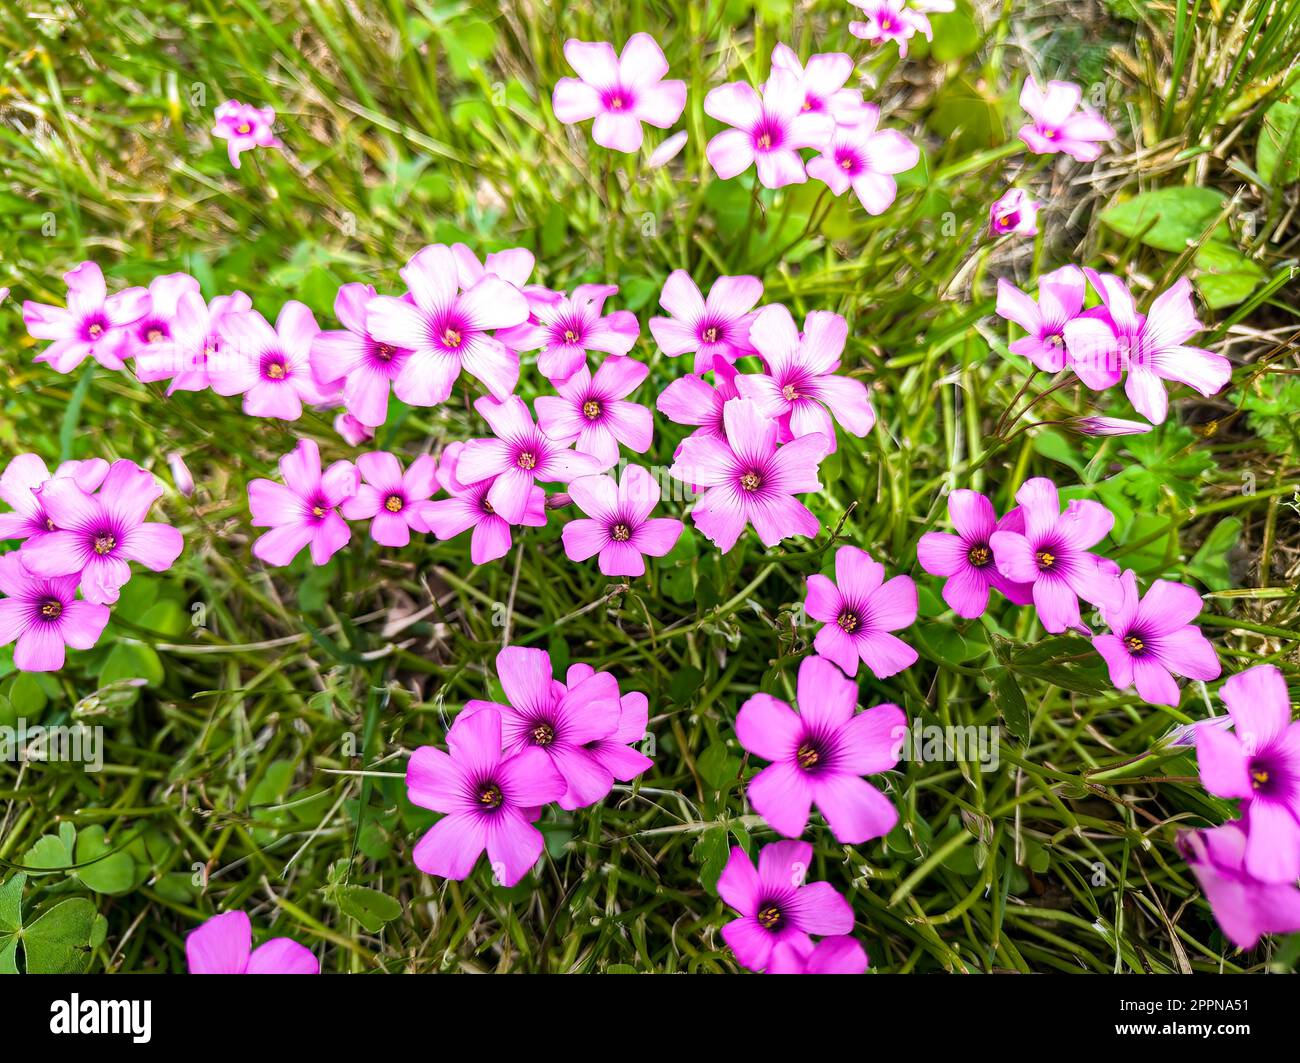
(224, 945)
(1152, 639)
(490, 800)
(560, 721)
(447, 328)
(966, 559)
(822, 82)
(21, 484)
(1152, 347)
(1245, 906)
(154, 327)
(1015, 212)
(352, 431)
(42, 616)
(618, 91)
(692, 400)
(1060, 124)
(91, 326)
(99, 534)
(889, 20)
(619, 527)
(194, 337)
(801, 388)
(865, 158)
(270, 367)
(394, 499)
(593, 412)
(1052, 554)
(1258, 762)
(244, 127)
(769, 130)
(1060, 301)
(859, 610)
(614, 751)
(566, 329)
(837, 955)
(819, 754)
(353, 358)
(520, 456)
(749, 480)
(302, 511)
(469, 507)
(716, 328)
(776, 903)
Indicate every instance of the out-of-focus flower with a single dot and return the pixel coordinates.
(244, 127)
(181, 475)
(891, 20)
(668, 149)
(1060, 124)
(1015, 212)
(353, 432)
(1245, 906)
(1107, 426)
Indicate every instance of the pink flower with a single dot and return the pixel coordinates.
(21, 485)
(819, 754)
(154, 327)
(353, 358)
(99, 534)
(865, 159)
(776, 903)
(43, 616)
(182, 478)
(269, 367)
(620, 92)
(822, 82)
(1052, 554)
(490, 799)
(1060, 301)
(966, 559)
(837, 955)
(768, 130)
(303, 511)
(92, 325)
(447, 328)
(393, 498)
(514, 265)
(1059, 124)
(801, 388)
(558, 720)
(594, 411)
(1259, 763)
(1245, 906)
(194, 337)
(1015, 212)
(890, 20)
(469, 508)
(1152, 346)
(859, 610)
(620, 528)
(691, 400)
(566, 329)
(716, 328)
(520, 456)
(244, 127)
(614, 751)
(666, 151)
(224, 945)
(1107, 426)
(748, 479)
(1154, 636)
(352, 431)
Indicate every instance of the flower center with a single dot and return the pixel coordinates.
(979, 555)
(789, 393)
(570, 336)
(487, 506)
(769, 917)
(105, 543)
(888, 25)
(50, 525)
(489, 795)
(543, 734)
(275, 371)
(1259, 779)
(1056, 341)
(848, 621)
(751, 481)
(1045, 558)
(51, 609)
(591, 409)
(765, 141)
(384, 352)
(95, 331)
(527, 460)
(451, 337)
(1050, 134)
(318, 511)
(394, 503)
(621, 533)
(243, 129)
(1134, 644)
(711, 334)
(153, 335)
(808, 756)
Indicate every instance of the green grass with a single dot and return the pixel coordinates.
(260, 765)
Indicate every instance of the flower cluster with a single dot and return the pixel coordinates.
(551, 742)
(79, 530)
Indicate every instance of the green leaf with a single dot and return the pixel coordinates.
(955, 35)
(59, 942)
(11, 903)
(711, 853)
(26, 696)
(49, 853)
(1210, 564)
(1226, 276)
(1179, 215)
(131, 660)
(717, 766)
(368, 907)
(1277, 154)
(1066, 661)
(1010, 702)
(110, 872)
